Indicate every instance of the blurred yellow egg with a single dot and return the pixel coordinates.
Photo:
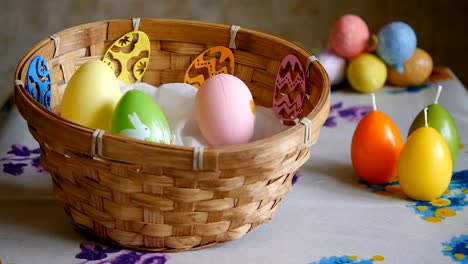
(425, 165)
(366, 73)
(91, 95)
(416, 70)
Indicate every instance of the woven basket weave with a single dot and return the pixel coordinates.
(165, 197)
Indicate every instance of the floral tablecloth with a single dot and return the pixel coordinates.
(329, 216)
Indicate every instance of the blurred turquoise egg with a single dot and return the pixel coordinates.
(397, 42)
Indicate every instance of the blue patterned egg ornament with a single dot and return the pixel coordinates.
(39, 81)
(397, 42)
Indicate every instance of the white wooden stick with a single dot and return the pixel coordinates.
(425, 116)
(439, 91)
(374, 104)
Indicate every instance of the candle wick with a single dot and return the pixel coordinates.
(374, 104)
(439, 91)
(425, 116)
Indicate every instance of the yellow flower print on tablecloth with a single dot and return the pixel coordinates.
(440, 202)
(444, 212)
(454, 199)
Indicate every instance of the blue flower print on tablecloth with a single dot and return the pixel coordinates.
(19, 157)
(411, 89)
(350, 114)
(97, 254)
(349, 259)
(447, 205)
(457, 249)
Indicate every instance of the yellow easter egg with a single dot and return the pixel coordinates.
(366, 73)
(425, 165)
(91, 95)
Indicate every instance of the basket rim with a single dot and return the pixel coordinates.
(319, 108)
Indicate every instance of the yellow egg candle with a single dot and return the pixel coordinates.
(425, 164)
(439, 118)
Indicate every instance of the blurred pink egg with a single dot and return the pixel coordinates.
(225, 111)
(334, 65)
(349, 36)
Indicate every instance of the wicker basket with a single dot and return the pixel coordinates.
(164, 197)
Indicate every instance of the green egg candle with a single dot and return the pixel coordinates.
(441, 120)
(425, 167)
(138, 116)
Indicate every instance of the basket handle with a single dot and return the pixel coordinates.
(198, 158)
(308, 129)
(19, 82)
(309, 62)
(97, 139)
(136, 23)
(56, 39)
(232, 40)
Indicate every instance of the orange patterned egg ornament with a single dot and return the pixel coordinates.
(213, 61)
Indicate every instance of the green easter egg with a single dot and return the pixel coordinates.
(441, 120)
(138, 116)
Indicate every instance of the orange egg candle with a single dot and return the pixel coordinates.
(375, 147)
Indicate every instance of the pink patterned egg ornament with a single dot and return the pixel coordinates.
(290, 89)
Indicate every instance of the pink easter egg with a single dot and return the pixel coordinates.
(225, 111)
(334, 65)
(349, 36)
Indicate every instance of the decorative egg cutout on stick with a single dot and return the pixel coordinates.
(349, 36)
(334, 65)
(397, 43)
(290, 89)
(225, 111)
(425, 166)
(416, 70)
(39, 82)
(440, 119)
(366, 73)
(138, 116)
(129, 56)
(91, 95)
(375, 148)
(213, 61)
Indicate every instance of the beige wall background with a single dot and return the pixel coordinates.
(441, 26)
